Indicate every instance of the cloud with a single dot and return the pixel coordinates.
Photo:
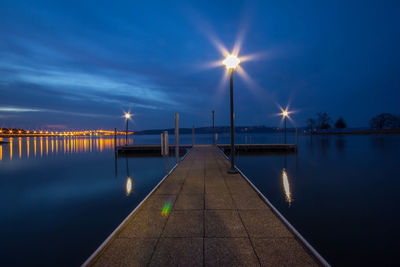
(17, 109)
(8, 109)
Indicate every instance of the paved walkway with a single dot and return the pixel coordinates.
(202, 216)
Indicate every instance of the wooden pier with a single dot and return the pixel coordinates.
(199, 215)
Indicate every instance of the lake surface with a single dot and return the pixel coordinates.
(61, 197)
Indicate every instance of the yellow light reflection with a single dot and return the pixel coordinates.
(1, 152)
(286, 186)
(47, 146)
(34, 146)
(128, 186)
(27, 147)
(11, 148)
(41, 146)
(19, 147)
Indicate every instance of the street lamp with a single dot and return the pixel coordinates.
(231, 62)
(127, 117)
(285, 114)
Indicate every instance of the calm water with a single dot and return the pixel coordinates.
(62, 197)
(340, 193)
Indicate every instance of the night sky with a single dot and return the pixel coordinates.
(81, 64)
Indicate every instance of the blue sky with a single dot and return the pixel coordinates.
(81, 64)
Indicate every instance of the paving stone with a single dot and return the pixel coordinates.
(263, 223)
(219, 201)
(127, 252)
(169, 188)
(239, 186)
(157, 202)
(223, 223)
(229, 252)
(146, 223)
(185, 223)
(248, 201)
(189, 202)
(178, 252)
(216, 189)
(282, 252)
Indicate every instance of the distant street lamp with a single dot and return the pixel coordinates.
(285, 114)
(231, 62)
(127, 117)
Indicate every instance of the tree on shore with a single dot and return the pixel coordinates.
(340, 123)
(385, 120)
(323, 121)
(310, 124)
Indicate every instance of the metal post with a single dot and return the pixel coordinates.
(126, 134)
(285, 129)
(232, 170)
(193, 135)
(177, 137)
(297, 137)
(213, 129)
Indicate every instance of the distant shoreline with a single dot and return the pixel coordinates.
(360, 132)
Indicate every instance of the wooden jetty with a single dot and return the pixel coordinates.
(199, 215)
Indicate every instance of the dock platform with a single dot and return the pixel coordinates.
(199, 215)
(155, 149)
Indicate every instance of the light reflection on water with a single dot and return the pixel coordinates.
(57, 190)
(286, 186)
(50, 146)
(342, 194)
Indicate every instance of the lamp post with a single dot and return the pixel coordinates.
(285, 114)
(127, 117)
(231, 62)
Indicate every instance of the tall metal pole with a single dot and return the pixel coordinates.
(213, 129)
(285, 129)
(232, 169)
(126, 134)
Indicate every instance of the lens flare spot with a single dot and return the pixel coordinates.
(166, 208)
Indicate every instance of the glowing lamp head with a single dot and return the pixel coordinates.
(127, 116)
(285, 113)
(231, 62)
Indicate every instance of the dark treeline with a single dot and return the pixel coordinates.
(324, 122)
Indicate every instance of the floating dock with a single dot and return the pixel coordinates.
(155, 149)
(199, 215)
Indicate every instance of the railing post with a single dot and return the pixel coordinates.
(177, 137)
(192, 135)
